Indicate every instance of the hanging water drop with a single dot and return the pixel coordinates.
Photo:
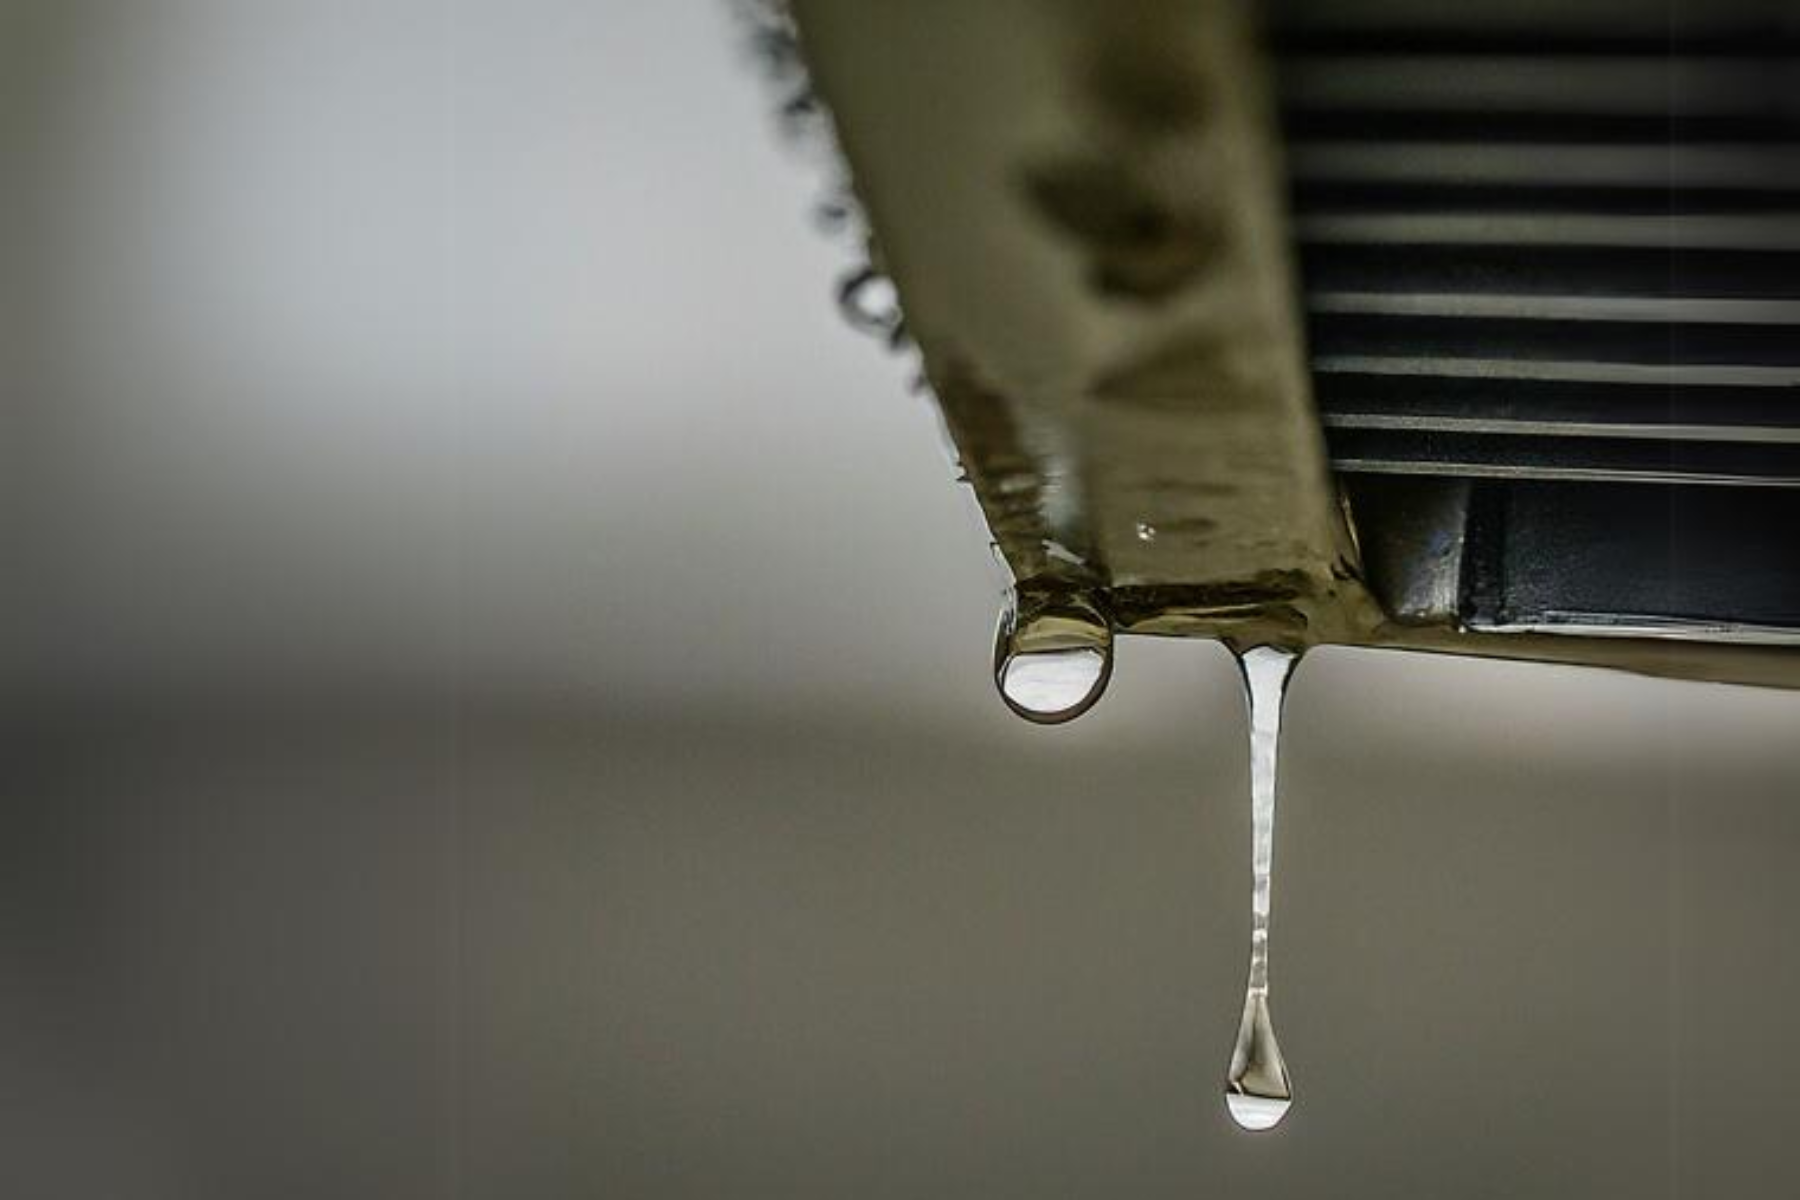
(1258, 1090)
(871, 303)
(837, 211)
(1052, 658)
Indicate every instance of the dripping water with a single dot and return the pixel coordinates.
(1052, 658)
(1258, 1091)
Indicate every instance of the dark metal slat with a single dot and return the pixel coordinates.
(1393, 452)
(1553, 270)
(1625, 342)
(1559, 408)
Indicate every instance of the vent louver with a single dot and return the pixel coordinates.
(1551, 256)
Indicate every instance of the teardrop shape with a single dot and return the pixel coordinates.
(1052, 658)
(1258, 1091)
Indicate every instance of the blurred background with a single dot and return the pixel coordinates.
(496, 703)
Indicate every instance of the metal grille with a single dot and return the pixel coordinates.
(1563, 255)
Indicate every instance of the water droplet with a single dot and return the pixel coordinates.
(802, 117)
(870, 302)
(1258, 1090)
(834, 214)
(1052, 658)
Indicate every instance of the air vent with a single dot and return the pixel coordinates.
(1551, 253)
